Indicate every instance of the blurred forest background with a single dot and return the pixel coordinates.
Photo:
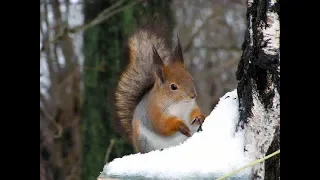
(80, 62)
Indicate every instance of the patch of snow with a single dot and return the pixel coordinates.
(215, 151)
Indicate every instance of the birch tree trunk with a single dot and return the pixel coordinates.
(259, 86)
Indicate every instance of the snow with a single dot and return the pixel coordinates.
(213, 152)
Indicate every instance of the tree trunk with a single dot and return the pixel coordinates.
(259, 86)
(101, 66)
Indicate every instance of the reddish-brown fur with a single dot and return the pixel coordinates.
(161, 122)
(196, 113)
(136, 133)
(139, 77)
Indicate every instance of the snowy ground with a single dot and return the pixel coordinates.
(214, 152)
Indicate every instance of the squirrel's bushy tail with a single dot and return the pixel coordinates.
(137, 78)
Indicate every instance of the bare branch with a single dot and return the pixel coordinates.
(112, 141)
(45, 36)
(103, 16)
(57, 28)
(41, 31)
(48, 52)
(57, 125)
(67, 12)
(56, 57)
(41, 28)
(67, 78)
(66, 42)
(43, 100)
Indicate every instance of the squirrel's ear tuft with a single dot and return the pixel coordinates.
(158, 65)
(160, 74)
(156, 58)
(177, 53)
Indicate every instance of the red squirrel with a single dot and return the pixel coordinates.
(156, 97)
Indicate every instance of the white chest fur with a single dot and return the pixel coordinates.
(181, 110)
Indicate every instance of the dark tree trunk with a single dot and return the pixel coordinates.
(259, 86)
(101, 65)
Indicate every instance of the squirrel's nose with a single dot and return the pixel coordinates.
(193, 95)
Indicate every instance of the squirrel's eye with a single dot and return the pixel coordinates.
(174, 87)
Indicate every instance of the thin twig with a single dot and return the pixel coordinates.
(43, 99)
(57, 125)
(103, 16)
(67, 78)
(250, 164)
(112, 141)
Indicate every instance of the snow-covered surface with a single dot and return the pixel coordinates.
(214, 152)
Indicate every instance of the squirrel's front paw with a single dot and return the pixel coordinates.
(199, 119)
(184, 129)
